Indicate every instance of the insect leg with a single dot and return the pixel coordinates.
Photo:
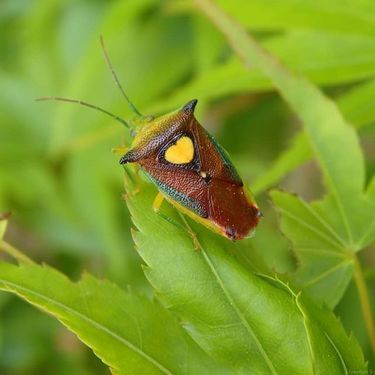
(157, 202)
(197, 245)
(171, 221)
(184, 227)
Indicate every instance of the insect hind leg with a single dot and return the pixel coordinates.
(158, 201)
(184, 227)
(192, 234)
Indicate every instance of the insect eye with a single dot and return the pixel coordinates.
(181, 151)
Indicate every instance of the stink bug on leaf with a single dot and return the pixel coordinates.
(194, 173)
(189, 168)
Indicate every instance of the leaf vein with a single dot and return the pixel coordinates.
(311, 228)
(17, 288)
(326, 273)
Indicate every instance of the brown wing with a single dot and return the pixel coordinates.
(213, 158)
(231, 210)
(229, 205)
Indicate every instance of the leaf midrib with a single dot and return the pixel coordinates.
(331, 182)
(16, 288)
(343, 364)
(238, 312)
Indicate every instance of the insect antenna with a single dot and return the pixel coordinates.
(80, 102)
(115, 78)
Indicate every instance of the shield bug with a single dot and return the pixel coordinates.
(189, 167)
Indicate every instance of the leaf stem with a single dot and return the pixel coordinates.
(364, 301)
(13, 252)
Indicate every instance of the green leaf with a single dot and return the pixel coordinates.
(330, 60)
(121, 25)
(332, 327)
(350, 16)
(3, 227)
(298, 153)
(346, 214)
(129, 333)
(357, 107)
(356, 104)
(251, 324)
(318, 113)
(325, 264)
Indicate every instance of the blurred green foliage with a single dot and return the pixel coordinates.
(64, 186)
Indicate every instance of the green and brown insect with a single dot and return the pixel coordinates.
(189, 167)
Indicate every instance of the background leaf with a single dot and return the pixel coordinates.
(305, 14)
(355, 105)
(325, 265)
(329, 60)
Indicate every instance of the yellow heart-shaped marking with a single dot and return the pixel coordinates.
(182, 152)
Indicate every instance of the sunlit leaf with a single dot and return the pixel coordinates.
(248, 323)
(129, 333)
